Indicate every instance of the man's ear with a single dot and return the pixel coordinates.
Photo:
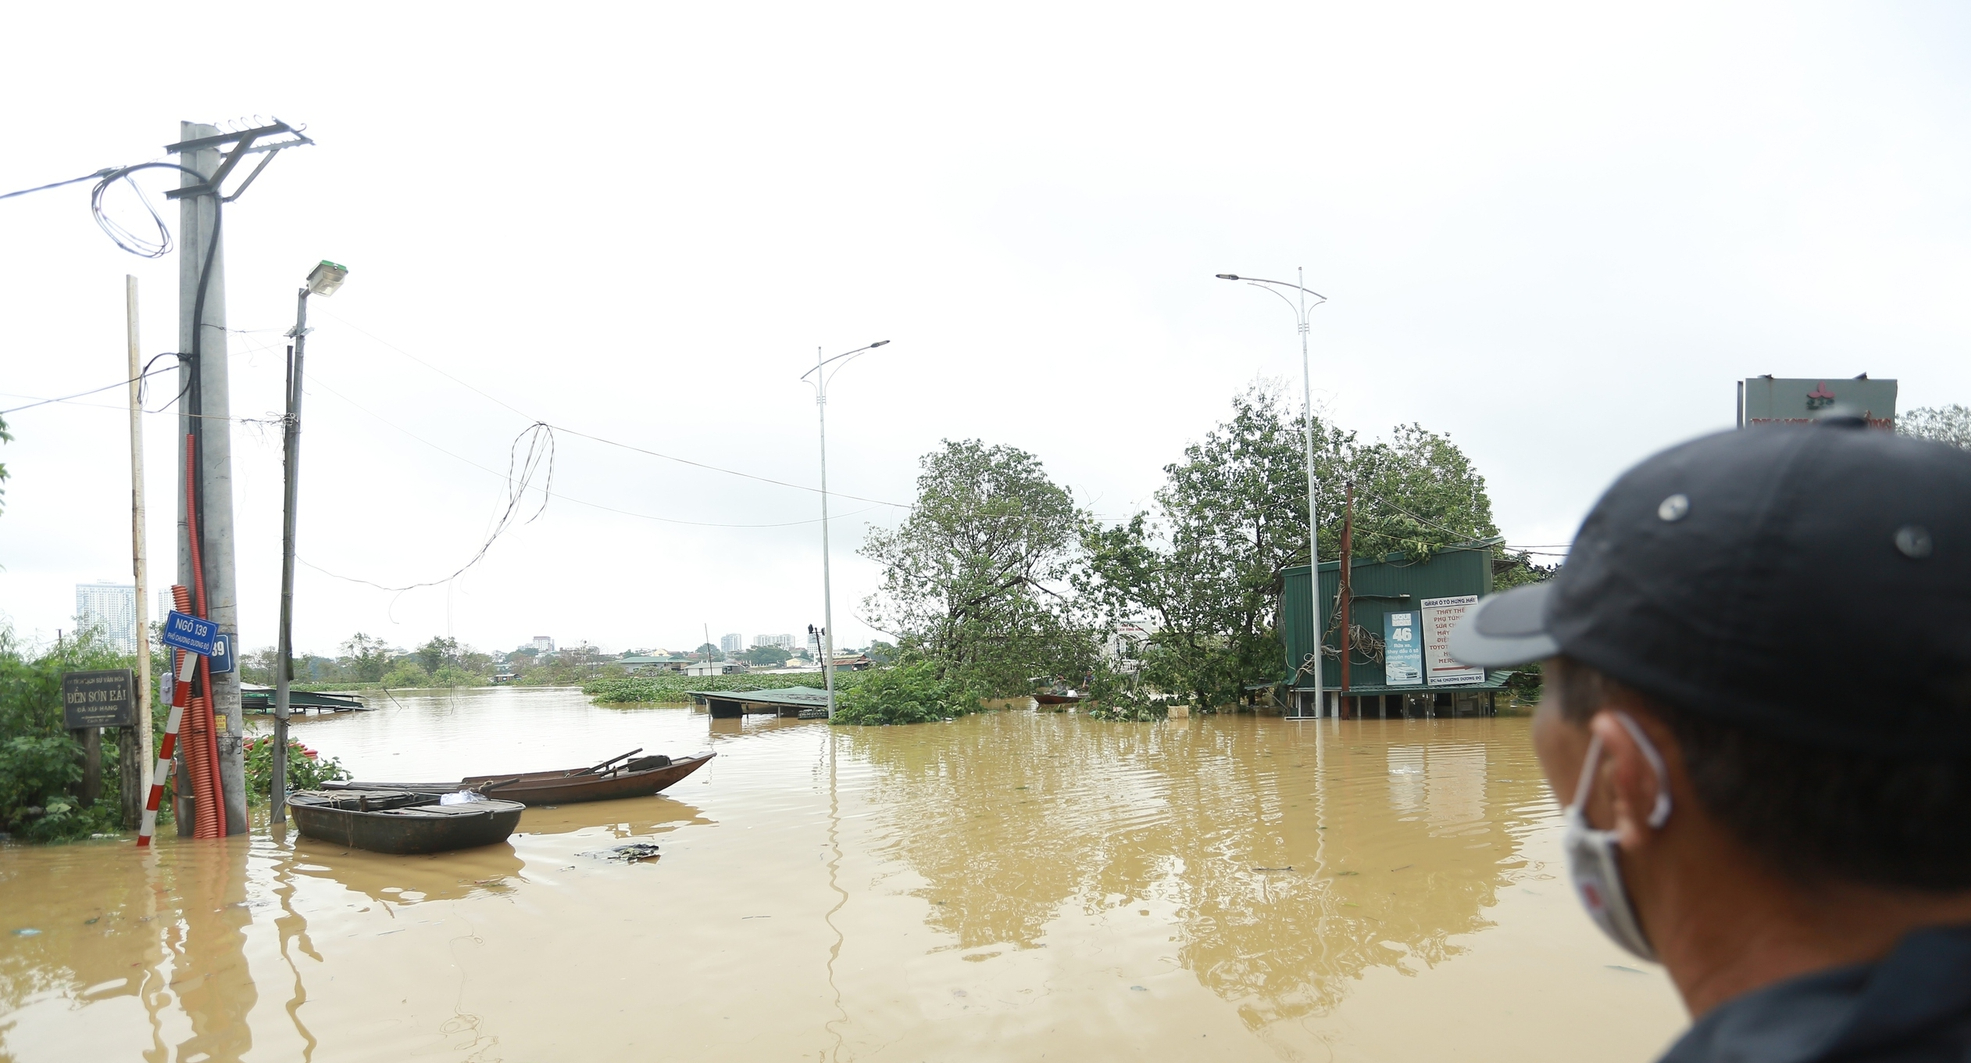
(1634, 774)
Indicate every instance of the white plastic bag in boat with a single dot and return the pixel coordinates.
(463, 797)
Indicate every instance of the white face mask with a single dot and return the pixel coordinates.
(1592, 861)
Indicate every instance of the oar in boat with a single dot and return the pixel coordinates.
(606, 763)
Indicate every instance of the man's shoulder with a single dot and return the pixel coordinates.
(1913, 1006)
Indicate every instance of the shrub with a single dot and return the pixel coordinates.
(406, 673)
(306, 769)
(39, 760)
(451, 675)
(905, 693)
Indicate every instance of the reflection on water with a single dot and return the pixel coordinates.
(1217, 888)
(1292, 862)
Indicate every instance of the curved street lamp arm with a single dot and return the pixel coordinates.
(837, 358)
(1286, 284)
(1291, 305)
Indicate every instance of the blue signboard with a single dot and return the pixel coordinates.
(1402, 649)
(223, 660)
(189, 633)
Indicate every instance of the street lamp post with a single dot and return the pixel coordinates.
(324, 279)
(822, 374)
(1302, 308)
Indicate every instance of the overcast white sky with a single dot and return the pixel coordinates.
(1557, 232)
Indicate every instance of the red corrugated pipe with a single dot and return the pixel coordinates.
(203, 732)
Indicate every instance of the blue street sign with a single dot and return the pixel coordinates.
(222, 653)
(189, 633)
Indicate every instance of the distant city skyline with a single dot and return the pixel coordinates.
(111, 608)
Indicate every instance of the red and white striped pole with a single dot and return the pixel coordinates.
(181, 693)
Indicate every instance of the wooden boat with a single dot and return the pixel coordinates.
(1053, 690)
(640, 777)
(399, 821)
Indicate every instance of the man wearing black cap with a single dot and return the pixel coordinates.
(1758, 715)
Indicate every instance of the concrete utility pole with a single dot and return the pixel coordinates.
(205, 411)
(206, 416)
(134, 745)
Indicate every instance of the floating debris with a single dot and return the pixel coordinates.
(814, 714)
(1289, 867)
(630, 853)
(26, 932)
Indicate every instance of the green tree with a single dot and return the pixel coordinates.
(765, 656)
(405, 672)
(709, 652)
(976, 577)
(438, 653)
(367, 657)
(1945, 424)
(1208, 568)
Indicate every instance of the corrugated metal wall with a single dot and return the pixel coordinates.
(1449, 573)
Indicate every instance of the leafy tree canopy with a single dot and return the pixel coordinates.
(1945, 424)
(1206, 568)
(975, 578)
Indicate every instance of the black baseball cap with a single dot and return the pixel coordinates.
(1812, 582)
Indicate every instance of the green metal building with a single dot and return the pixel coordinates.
(1393, 584)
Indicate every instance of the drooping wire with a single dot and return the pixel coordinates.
(520, 471)
(608, 442)
(64, 398)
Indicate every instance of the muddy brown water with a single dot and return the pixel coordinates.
(1009, 886)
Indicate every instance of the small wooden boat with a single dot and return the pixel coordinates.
(399, 821)
(1048, 697)
(640, 777)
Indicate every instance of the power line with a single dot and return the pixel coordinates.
(600, 439)
(317, 380)
(104, 172)
(91, 391)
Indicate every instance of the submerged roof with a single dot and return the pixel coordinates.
(800, 697)
(261, 699)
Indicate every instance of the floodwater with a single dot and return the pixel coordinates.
(1008, 886)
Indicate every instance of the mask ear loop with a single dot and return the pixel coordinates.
(1587, 772)
(1659, 814)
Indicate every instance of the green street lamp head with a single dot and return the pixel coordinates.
(325, 278)
(1226, 276)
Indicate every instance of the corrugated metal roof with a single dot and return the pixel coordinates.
(799, 697)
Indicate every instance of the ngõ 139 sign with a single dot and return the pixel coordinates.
(99, 699)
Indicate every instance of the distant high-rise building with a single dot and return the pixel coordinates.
(164, 605)
(732, 643)
(111, 608)
(785, 642)
(542, 644)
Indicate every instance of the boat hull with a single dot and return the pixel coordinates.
(339, 817)
(556, 787)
